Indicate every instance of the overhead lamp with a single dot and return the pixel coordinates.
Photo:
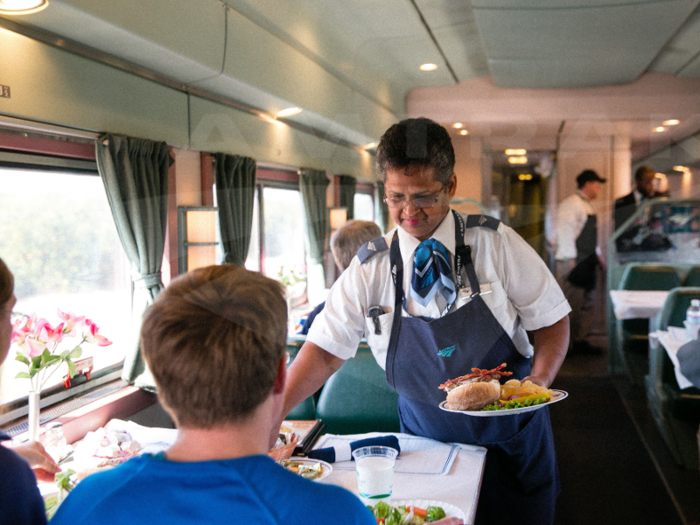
(428, 67)
(517, 152)
(458, 125)
(288, 112)
(196, 233)
(525, 176)
(682, 169)
(659, 129)
(517, 160)
(22, 7)
(464, 132)
(369, 146)
(671, 122)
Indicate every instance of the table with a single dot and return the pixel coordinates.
(459, 486)
(672, 340)
(635, 304)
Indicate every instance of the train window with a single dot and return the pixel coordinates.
(58, 237)
(364, 207)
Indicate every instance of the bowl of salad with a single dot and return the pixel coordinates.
(413, 512)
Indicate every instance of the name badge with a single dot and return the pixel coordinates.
(467, 290)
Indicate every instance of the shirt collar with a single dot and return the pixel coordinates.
(445, 233)
(637, 196)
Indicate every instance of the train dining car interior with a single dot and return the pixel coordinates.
(125, 126)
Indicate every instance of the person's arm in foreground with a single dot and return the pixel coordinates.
(39, 460)
(307, 373)
(551, 344)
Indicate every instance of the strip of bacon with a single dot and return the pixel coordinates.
(477, 372)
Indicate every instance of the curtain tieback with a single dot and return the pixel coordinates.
(148, 280)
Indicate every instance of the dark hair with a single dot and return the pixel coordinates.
(416, 142)
(349, 238)
(213, 340)
(7, 283)
(641, 170)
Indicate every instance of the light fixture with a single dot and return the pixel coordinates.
(659, 129)
(525, 176)
(369, 146)
(288, 112)
(428, 67)
(196, 233)
(517, 152)
(22, 7)
(458, 125)
(464, 132)
(337, 217)
(671, 122)
(517, 160)
(682, 169)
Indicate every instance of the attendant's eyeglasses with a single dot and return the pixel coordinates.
(419, 202)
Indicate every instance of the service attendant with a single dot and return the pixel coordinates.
(450, 292)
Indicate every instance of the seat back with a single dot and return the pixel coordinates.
(357, 398)
(675, 307)
(693, 277)
(638, 276)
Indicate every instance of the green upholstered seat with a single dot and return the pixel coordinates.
(676, 412)
(693, 277)
(304, 410)
(357, 398)
(633, 334)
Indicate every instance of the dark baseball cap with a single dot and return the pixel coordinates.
(587, 176)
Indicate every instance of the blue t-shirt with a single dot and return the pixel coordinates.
(20, 501)
(151, 489)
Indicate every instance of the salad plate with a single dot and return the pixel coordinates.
(557, 395)
(450, 510)
(313, 469)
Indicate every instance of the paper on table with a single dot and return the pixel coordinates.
(634, 304)
(418, 455)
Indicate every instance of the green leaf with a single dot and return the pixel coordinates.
(36, 362)
(52, 359)
(22, 358)
(77, 352)
(22, 375)
(71, 367)
(65, 354)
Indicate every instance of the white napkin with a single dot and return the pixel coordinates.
(434, 457)
(672, 340)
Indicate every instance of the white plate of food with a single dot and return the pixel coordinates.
(313, 469)
(450, 510)
(557, 395)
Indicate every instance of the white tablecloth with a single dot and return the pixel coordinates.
(672, 340)
(634, 304)
(460, 487)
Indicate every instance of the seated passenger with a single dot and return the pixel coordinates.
(345, 243)
(215, 342)
(20, 501)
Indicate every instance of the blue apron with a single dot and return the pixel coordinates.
(521, 479)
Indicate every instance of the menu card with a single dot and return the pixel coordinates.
(307, 431)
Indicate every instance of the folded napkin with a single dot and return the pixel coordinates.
(343, 451)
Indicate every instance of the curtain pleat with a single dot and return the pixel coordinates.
(313, 184)
(347, 194)
(235, 193)
(135, 177)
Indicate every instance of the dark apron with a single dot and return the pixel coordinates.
(584, 273)
(521, 480)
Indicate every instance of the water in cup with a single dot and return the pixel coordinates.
(375, 473)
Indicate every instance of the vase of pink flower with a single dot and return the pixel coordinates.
(43, 347)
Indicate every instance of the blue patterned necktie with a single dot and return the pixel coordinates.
(432, 273)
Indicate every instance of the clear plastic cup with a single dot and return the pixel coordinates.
(375, 473)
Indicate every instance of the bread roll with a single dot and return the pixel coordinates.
(474, 395)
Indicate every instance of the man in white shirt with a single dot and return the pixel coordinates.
(577, 258)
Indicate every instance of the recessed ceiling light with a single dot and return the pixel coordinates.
(458, 125)
(672, 122)
(288, 112)
(464, 132)
(428, 67)
(525, 176)
(22, 7)
(371, 145)
(517, 160)
(659, 129)
(516, 152)
(682, 169)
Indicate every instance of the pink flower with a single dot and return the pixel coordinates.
(50, 334)
(91, 336)
(33, 347)
(70, 321)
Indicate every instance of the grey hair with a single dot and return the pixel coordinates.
(349, 238)
(416, 142)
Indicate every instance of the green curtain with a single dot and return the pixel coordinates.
(381, 210)
(313, 184)
(135, 176)
(235, 193)
(347, 194)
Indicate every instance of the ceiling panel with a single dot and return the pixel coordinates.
(678, 57)
(595, 40)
